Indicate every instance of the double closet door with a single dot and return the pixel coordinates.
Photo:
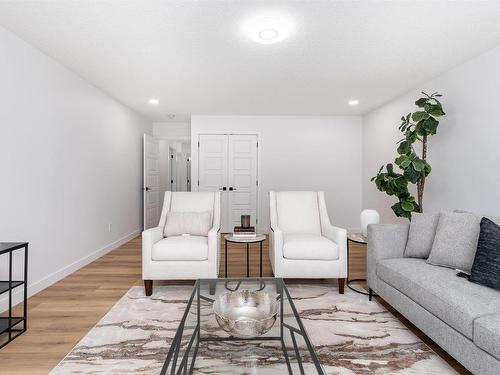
(228, 163)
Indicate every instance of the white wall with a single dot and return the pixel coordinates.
(464, 155)
(70, 164)
(172, 130)
(299, 153)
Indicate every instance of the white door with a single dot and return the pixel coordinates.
(151, 160)
(212, 169)
(229, 163)
(242, 178)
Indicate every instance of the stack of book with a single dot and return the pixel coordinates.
(244, 232)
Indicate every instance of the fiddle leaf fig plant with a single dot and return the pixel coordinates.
(412, 166)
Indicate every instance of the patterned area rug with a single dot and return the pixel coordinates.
(351, 336)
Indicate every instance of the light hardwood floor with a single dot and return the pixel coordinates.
(62, 314)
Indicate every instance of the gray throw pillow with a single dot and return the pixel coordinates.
(421, 235)
(495, 219)
(456, 239)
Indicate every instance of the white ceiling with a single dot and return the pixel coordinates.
(194, 57)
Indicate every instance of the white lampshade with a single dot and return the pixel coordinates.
(368, 217)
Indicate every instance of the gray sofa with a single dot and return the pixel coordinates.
(461, 317)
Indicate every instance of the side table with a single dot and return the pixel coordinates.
(356, 238)
(8, 324)
(258, 239)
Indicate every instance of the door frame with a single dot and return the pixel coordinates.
(195, 178)
(172, 168)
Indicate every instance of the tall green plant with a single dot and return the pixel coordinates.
(412, 168)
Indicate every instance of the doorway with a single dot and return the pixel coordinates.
(166, 167)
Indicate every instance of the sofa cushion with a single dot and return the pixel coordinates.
(487, 334)
(181, 248)
(306, 246)
(452, 299)
(455, 242)
(298, 212)
(421, 235)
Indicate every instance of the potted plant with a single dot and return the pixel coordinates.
(413, 167)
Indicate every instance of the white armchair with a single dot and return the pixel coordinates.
(182, 257)
(303, 243)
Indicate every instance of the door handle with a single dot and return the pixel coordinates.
(231, 188)
(223, 188)
(146, 188)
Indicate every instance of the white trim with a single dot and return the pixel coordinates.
(260, 229)
(54, 277)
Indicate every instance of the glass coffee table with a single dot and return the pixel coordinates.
(200, 346)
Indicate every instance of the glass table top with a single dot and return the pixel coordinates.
(200, 346)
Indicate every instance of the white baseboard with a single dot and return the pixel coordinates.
(54, 277)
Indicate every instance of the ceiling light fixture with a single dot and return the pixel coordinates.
(154, 101)
(353, 102)
(267, 28)
(268, 34)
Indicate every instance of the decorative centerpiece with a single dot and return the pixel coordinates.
(245, 221)
(245, 230)
(245, 313)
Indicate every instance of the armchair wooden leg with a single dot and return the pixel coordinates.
(341, 285)
(148, 287)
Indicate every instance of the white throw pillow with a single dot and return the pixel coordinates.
(193, 223)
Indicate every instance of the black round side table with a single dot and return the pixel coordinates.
(259, 238)
(356, 238)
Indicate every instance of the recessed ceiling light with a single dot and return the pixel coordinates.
(154, 101)
(267, 28)
(353, 102)
(268, 34)
(171, 115)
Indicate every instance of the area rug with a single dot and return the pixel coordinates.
(351, 336)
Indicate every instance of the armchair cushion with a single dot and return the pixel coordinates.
(298, 212)
(180, 248)
(305, 246)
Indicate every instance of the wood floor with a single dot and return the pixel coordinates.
(62, 314)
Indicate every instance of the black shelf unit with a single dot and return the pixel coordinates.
(12, 326)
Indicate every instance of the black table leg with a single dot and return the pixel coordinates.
(10, 295)
(248, 261)
(25, 307)
(225, 252)
(349, 281)
(260, 259)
